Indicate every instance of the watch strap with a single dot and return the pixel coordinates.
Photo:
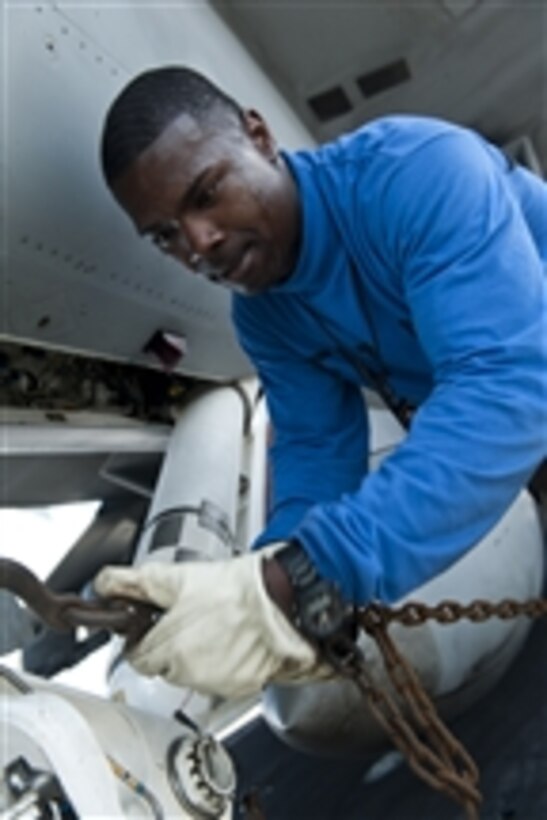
(319, 611)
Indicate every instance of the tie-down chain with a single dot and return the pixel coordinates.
(410, 718)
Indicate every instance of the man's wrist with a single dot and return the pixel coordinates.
(278, 585)
(312, 603)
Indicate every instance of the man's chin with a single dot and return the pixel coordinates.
(251, 287)
(238, 289)
(256, 288)
(255, 279)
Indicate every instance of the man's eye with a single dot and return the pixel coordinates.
(164, 239)
(206, 195)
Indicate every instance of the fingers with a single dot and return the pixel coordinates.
(154, 582)
(161, 660)
(170, 652)
(113, 581)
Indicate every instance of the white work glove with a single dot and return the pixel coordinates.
(221, 632)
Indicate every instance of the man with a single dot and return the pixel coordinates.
(410, 257)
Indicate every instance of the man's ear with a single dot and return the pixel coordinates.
(259, 132)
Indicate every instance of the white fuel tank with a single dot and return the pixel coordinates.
(457, 663)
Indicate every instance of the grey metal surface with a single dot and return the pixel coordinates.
(478, 63)
(506, 733)
(28, 481)
(75, 275)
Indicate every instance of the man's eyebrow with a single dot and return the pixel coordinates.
(186, 197)
(193, 188)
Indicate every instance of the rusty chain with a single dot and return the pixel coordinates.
(409, 716)
(448, 612)
(65, 611)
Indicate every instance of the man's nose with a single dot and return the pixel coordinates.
(203, 235)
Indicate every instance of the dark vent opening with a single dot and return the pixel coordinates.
(330, 104)
(384, 78)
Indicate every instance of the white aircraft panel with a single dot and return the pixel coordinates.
(76, 275)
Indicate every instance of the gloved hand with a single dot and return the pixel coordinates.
(221, 632)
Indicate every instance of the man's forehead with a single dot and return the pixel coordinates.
(189, 131)
(184, 130)
(176, 152)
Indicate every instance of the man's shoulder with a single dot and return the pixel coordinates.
(394, 136)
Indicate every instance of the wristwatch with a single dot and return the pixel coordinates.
(319, 611)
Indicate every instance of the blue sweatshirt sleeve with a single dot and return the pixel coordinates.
(319, 448)
(476, 289)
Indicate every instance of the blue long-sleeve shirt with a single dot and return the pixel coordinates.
(428, 232)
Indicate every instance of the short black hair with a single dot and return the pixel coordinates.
(148, 104)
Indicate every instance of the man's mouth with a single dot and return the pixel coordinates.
(236, 273)
(231, 275)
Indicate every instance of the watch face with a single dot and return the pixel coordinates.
(321, 610)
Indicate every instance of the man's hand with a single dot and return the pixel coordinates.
(221, 632)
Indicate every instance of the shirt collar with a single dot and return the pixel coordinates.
(316, 249)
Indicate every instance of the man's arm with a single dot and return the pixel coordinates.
(475, 286)
(320, 443)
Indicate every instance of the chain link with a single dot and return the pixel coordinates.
(448, 612)
(408, 715)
